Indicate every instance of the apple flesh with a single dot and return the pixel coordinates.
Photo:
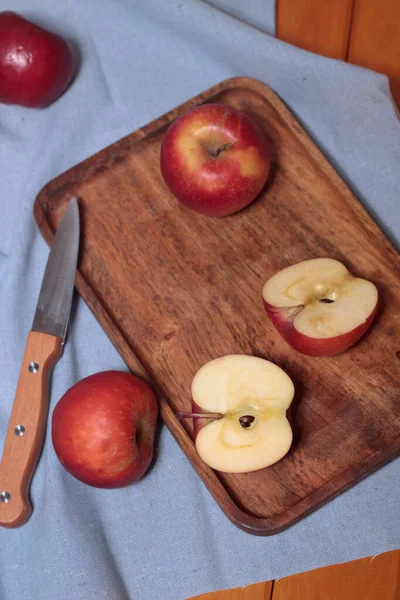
(36, 65)
(319, 307)
(240, 422)
(214, 159)
(103, 429)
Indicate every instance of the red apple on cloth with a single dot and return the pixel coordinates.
(239, 413)
(214, 159)
(103, 429)
(319, 307)
(36, 65)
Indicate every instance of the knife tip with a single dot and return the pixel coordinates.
(73, 208)
(73, 202)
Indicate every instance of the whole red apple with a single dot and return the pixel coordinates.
(36, 65)
(103, 429)
(214, 159)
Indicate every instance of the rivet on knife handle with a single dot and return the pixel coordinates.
(26, 427)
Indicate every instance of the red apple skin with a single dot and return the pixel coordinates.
(103, 429)
(36, 65)
(283, 323)
(215, 186)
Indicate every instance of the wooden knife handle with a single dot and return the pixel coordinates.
(26, 428)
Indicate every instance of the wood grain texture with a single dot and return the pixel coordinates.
(367, 579)
(30, 409)
(320, 26)
(258, 591)
(174, 289)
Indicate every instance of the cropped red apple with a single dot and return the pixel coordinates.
(214, 159)
(103, 429)
(319, 307)
(239, 413)
(36, 65)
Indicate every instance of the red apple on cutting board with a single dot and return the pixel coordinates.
(36, 65)
(214, 159)
(239, 413)
(103, 429)
(319, 307)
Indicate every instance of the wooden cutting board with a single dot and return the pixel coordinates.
(174, 289)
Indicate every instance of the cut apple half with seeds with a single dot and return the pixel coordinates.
(241, 403)
(319, 307)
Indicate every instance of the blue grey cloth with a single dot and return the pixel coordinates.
(165, 538)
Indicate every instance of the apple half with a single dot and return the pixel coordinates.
(319, 307)
(239, 415)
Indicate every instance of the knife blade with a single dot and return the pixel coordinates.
(44, 347)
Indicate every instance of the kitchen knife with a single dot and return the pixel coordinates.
(44, 346)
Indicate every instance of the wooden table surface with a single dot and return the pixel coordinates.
(366, 33)
(362, 32)
(366, 579)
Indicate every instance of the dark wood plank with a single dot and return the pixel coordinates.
(320, 26)
(174, 289)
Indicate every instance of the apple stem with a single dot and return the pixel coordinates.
(193, 415)
(218, 151)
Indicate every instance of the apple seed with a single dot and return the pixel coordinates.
(246, 421)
